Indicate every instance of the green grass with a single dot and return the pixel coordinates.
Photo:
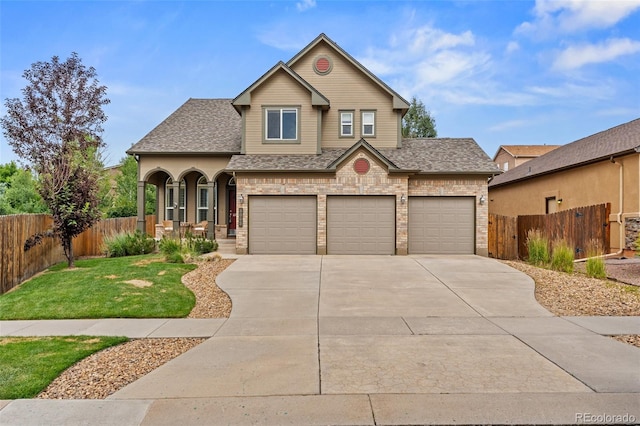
(29, 364)
(97, 288)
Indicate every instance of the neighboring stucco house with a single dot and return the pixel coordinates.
(602, 168)
(509, 156)
(310, 159)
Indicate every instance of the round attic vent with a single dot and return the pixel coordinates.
(322, 65)
(361, 166)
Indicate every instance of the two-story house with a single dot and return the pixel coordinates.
(310, 159)
(510, 156)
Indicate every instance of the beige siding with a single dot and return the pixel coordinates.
(281, 90)
(347, 88)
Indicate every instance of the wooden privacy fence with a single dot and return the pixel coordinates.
(578, 226)
(16, 265)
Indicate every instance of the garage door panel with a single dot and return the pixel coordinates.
(361, 224)
(441, 225)
(282, 224)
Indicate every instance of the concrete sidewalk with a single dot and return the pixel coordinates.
(368, 340)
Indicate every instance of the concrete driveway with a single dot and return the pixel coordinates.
(390, 340)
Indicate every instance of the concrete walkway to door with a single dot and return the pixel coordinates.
(379, 340)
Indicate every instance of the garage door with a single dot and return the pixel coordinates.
(282, 224)
(361, 225)
(441, 225)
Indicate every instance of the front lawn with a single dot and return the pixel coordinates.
(29, 364)
(123, 287)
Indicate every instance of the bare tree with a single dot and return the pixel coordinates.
(56, 129)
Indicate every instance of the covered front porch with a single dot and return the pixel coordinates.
(200, 201)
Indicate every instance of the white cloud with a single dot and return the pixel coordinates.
(512, 46)
(508, 125)
(567, 16)
(305, 4)
(577, 56)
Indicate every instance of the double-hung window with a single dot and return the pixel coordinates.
(281, 124)
(346, 123)
(368, 123)
(203, 199)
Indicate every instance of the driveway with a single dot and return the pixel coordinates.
(390, 340)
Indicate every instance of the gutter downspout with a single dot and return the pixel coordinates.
(618, 220)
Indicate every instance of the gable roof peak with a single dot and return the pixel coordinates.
(362, 143)
(398, 101)
(244, 98)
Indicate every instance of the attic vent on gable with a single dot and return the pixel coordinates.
(322, 65)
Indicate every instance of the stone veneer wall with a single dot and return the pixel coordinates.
(347, 182)
(461, 186)
(632, 231)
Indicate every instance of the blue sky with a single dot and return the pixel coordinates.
(502, 72)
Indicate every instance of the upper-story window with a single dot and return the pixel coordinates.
(346, 123)
(505, 166)
(281, 124)
(368, 123)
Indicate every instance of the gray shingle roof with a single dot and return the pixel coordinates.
(435, 156)
(199, 126)
(621, 139)
(442, 155)
(293, 162)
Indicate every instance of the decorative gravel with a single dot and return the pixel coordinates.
(578, 295)
(105, 372)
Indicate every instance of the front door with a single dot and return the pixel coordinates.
(231, 218)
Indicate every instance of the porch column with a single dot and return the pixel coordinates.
(140, 200)
(210, 210)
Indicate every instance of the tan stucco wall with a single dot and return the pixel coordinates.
(347, 88)
(583, 186)
(281, 90)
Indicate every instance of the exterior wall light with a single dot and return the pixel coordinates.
(403, 199)
(482, 199)
(241, 199)
(559, 200)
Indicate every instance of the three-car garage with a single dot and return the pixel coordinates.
(360, 224)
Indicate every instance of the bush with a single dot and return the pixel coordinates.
(174, 257)
(169, 246)
(538, 248)
(562, 257)
(595, 265)
(638, 246)
(199, 245)
(128, 244)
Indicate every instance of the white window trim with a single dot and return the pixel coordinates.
(362, 115)
(343, 123)
(202, 184)
(168, 199)
(281, 109)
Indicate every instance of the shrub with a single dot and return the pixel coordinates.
(538, 248)
(638, 246)
(128, 244)
(595, 265)
(168, 246)
(199, 245)
(562, 257)
(174, 257)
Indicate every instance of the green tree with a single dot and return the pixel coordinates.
(21, 195)
(7, 171)
(126, 191)
(418, 121)
(56, 128)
